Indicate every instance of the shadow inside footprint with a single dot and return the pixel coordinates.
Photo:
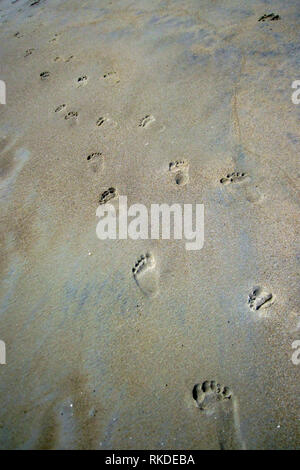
(44, 75)
(60, 108)
(146, 121)
(259, 298)
(146, 275)
(269, 17)
(180, 170)
(71, 115)
(108, 195)
(101, 120)
(82, 80)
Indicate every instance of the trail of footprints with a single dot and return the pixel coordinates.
(145, 273)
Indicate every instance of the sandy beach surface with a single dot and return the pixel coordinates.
(196, 351)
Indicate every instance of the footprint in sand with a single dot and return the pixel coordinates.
(107, 122)
(60, 108)
(95, 161)
(209, 393)
(54, 38)
(100, 121)
(58, 59)
(69, 58)
(94, 156)
(108, 74)
(269, 17)
(235, 177)
(259, 298)
(146, 275)
(28, 52)
(180, 170)
(239, 180)
(108, 195)
(111, 76)
(71, 115)
(44, 75)
(82, 80)
(218, 401)
(146, 121)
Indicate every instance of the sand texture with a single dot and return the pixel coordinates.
(191, 349)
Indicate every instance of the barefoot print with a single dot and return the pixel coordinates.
(235, 177)
(58, 58)
(60, 108)
(29, 52)
(146, 275)
(82, 80)
(54, 38)
(95, 161)
(218, 402)
(100, 121)
(71, 115)
(106, 122)
(239, 180)
(270, 17)
(147, 121)
(109, 74)
(44, 75)
(108, 195)
(259, 298)
(208, 393)
(94, 156)
(180, 170)
(112, 77)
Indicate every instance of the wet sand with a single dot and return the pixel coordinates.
(195, 351)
